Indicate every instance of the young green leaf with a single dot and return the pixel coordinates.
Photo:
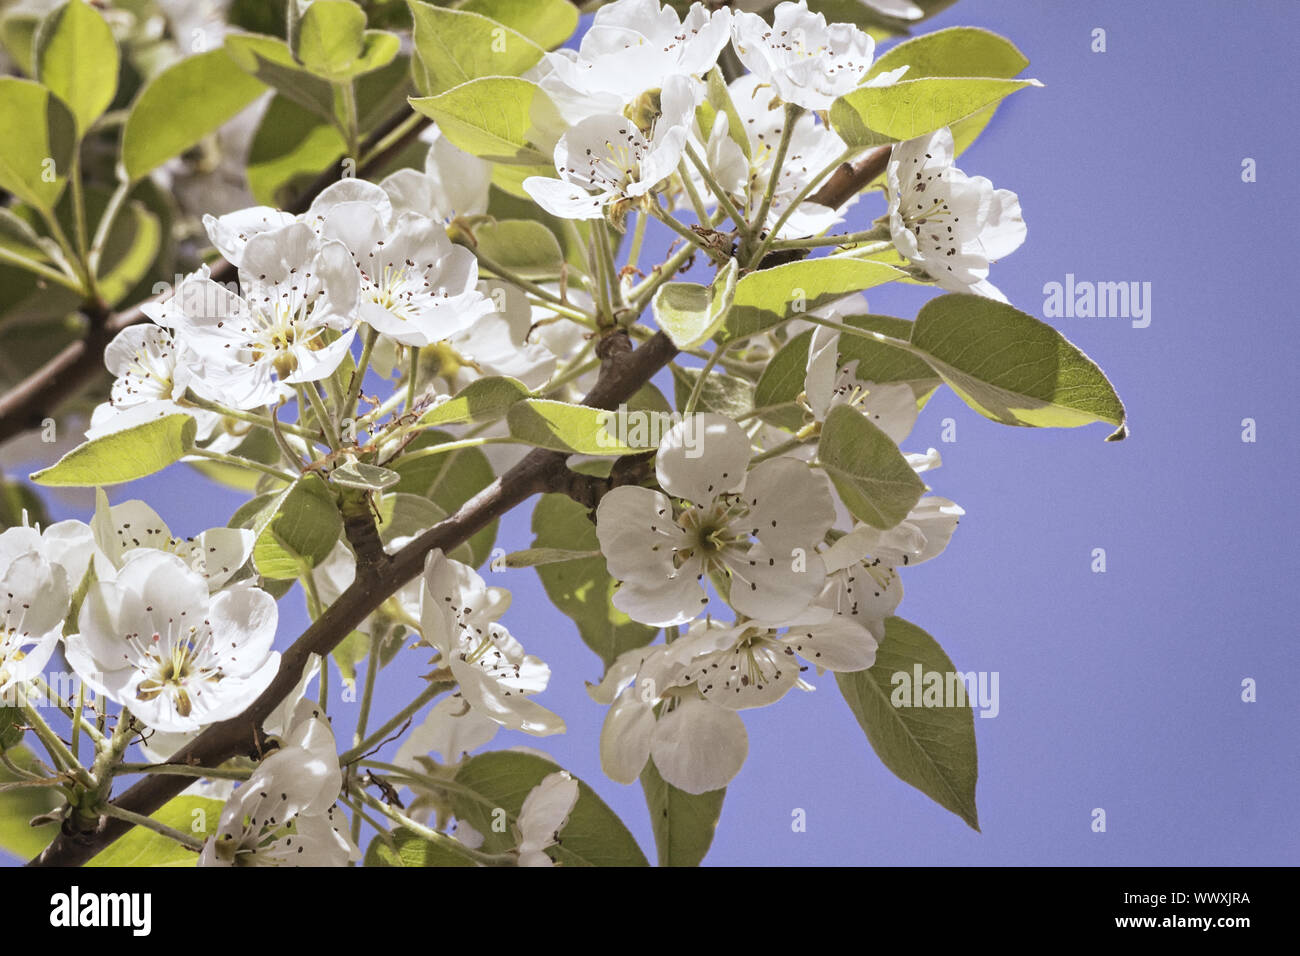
(548, 23)
(505, 119)
(39, 134)
(584, 430)
(411, 849)
(930, 747)
(123, 455)
(180, 106)
(766, 298)
(301, 526)
(455, 46)
(691, 313)
(955, 51)
(871, 115)
(483, 400)
(524, 246)
(873, 478)
(77, 58)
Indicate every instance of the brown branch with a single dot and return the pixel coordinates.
(625, 371)
(847, 181)
(38, 396)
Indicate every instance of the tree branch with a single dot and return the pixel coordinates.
(624, 372)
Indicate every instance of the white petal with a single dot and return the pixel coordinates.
(703, 457)
(699, 746)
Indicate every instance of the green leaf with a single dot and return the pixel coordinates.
(132, 247)
(449, 480)
(17, 807)
(455, 46)
(291, 141)
(583, 589)
(301, 525)
(783, 381)
(1012, 368)
(548, 23)
(881, 363)
(594, 835)
(180, 106)
(930, 747)
(412, 850)
(584, 430)
(955, 51)
(272, 62)
(766, 298)
(873, 478)
(11, 728)
(504, 119)
(359, 474)
(689, 313)
(77, 58)
(524, 246)
(39, 134)
(722, 393)
(197, 816)
(18, 32)
(122, 456)
(870, 116)
(683, 823)
(536, 557)
(483, 400)
(329, 36)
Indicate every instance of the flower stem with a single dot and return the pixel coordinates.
(769, 193)
(433, 836)
(55, 747)
(241, 463)
(698, 388)
(402, 716)
(184, 839)
(724, 201)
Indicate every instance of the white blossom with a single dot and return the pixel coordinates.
(34, 598)
(293, 324)
(802, 58)
(949, 224)
(632, 47)
(759, 529)
(151, 374)
(285, 814)
(458, 617)
(606, 162)
(543, 815)
(154, 640)
(415, 286)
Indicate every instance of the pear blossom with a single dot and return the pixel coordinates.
(34, 599)
(543, 815)
(453, 184)
(752, 664)
(451, 729)
(607, 162)
(415, 286)
(151, 374)
(813, 150)
(285, 814)
(891, 407)
(154, 640)
(293, 323)
(758, 529)
(216, 554)
(802, 58)
(921, 536)
(949, 224)
(632, 46)
(458, 617)
(697, 745)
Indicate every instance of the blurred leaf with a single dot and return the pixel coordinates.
(76, 56)
(39, 134)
